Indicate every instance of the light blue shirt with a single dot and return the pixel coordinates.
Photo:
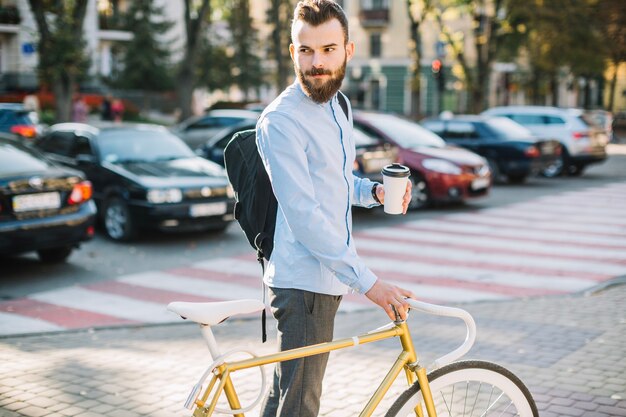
(308, 152)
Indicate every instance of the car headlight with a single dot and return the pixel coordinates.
(230, 192)
(160, 196)
(439, 165)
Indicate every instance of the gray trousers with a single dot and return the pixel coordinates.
(304, 318)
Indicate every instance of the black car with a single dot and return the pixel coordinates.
(44, 207)
(143, 177)
(511, 150)
(371, 155)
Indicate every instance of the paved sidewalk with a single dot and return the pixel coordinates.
(569, 350)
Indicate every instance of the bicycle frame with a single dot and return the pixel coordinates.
(407, 360)
(208, 314)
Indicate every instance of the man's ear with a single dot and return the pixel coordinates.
(292, 51)
(349, 50)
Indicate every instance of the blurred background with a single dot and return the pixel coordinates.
(168, 60)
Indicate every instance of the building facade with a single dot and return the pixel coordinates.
(378, 78)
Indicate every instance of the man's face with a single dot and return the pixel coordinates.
(319, 54)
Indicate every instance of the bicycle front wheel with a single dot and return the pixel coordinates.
(470, 388)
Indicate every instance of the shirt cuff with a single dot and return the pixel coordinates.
(365, 282)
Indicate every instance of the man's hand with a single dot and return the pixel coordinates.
(387, 295)
(380, 193)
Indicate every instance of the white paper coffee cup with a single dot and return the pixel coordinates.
(395, 177)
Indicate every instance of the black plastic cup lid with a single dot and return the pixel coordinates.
(396, 170)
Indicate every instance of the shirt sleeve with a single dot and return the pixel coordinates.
(363, 193)
(286, 163)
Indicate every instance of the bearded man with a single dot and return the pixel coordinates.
(306, 143)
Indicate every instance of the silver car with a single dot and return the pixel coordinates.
(195, 131)
(584, 142)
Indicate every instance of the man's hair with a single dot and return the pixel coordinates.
(317, 12)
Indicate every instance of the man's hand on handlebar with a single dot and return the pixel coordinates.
(387, 295)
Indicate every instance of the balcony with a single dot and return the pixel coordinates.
(115, 21)
(374, 17)
(9, 15)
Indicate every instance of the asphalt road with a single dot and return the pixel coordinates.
(102, 259)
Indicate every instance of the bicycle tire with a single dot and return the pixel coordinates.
(470, 388)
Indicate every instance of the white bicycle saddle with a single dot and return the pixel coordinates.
(215, 312)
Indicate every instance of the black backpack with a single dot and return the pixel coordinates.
(256, 205)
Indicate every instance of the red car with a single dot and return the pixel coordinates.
(439, 172)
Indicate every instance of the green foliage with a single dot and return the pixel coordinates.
(146, 57)
(62, 48)
(214, 65)
(247, 72)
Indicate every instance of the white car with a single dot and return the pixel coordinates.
(583, 142)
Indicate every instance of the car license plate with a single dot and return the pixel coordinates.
(547, 148)
(207, 209)
(376, 164)
(41, 201)
(479, 183)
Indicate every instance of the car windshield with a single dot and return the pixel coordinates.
(137, 145)
(405, 133)
(14, 159)
(507, 128)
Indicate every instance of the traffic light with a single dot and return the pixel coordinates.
(436, 67)
(438, 73)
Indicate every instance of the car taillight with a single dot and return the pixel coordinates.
(580, 135)
(532, 152)
(24, 130)
(81, 193)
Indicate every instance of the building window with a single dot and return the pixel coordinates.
(374, 4)
(375, 45)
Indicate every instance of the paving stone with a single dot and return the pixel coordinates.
(148, 371)
(33, 411)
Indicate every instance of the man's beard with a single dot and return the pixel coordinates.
(324, 92)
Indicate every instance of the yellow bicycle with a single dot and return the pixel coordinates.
(449, 389)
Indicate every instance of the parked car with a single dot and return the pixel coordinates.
(15, 119)
(143, 177)
(44, 207)
(371, 155)
(511, 150)
(583, 142)
(196, 130)
(439, 172)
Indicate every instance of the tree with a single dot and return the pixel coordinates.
(146, 59)
(214, 66)
(496, 29)
(418, 10)
(561, 35)
(612, 16)
(62, 60)
(279, 18)
(247, 72)
(196, 19)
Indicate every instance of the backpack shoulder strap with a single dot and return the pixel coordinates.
(343, 103)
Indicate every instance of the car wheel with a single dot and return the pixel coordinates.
(555, 169)
(575, 170)
(54, 255)
(517, 179)
(420, 196)
(117, 221)
(496, 175)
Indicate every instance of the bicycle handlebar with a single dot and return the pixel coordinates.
(438, 310)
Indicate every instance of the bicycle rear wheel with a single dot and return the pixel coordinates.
(470, 388)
